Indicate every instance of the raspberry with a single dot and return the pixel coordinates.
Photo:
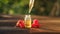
(35, 24)
(20, 24)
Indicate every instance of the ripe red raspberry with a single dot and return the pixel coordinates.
(20, 24)
(35, 24)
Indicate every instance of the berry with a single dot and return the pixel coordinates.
(35, 24)
(20, 24)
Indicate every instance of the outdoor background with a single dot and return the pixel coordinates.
(41, 7)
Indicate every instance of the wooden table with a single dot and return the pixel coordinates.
(16, 30)
(50, 25)
(13, 30)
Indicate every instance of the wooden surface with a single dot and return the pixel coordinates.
(48, 24)
(13, 30)
(16, 30)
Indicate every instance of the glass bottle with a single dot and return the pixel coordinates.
(27, 21)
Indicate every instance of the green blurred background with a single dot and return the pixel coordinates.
(41, 7)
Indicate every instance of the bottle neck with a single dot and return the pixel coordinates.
(27, 17)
